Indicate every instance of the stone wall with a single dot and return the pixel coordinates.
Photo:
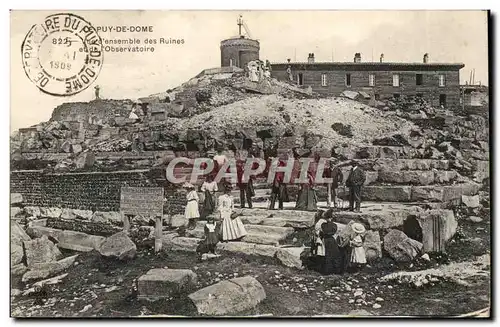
(98, 191)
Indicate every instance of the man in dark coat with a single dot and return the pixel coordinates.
(279, 188)
(355, 181)
(246, 187)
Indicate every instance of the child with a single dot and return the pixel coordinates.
(211, 234)
(191, 212)
(358, 255)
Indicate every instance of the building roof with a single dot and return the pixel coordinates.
(374, 65)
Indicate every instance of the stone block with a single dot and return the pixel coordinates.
(413, 177)
(40, 250)
(438, 226)
(386, 193)
(32, 211)
(16, 198)
(118, 246)
(445, 176)
(229, 296)
(77, 239)
(372, 245)
(400, 247)
(52, 212)
(48, 269)
(291, 257)
(163, 283)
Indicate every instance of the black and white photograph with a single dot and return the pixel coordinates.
(250, 163)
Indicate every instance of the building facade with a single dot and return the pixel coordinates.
(437, 83)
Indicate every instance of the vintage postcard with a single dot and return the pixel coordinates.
(249, 163)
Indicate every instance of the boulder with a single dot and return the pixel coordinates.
(229, 296)
(40, 250)
(16, 254)
(162, 283)
(118, 246)
(85, 160)
(209, 256)
(68, 239)
(51, 212)
(176, 220)
(372, 245)
(16, 198)
(475, 219)
(400, 247)
(291, 257)
(438, 226)
(48, 269)
(32, 211)
(471, 201)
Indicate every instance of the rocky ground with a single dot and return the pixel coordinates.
(97, 287)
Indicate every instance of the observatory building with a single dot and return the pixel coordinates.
(239, 50)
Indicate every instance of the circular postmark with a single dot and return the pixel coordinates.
(63, 55)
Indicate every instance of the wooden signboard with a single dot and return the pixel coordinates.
(144, 201)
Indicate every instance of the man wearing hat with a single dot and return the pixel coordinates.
(355, 181)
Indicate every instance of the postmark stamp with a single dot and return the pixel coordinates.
(63, 55)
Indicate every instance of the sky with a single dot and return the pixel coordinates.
(403, 36)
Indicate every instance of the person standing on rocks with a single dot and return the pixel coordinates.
(246, 187)
(211, 234)
(358, 255)
(332, 263)
(232, 227)
(354, 182)
(279, 188)
(191, 212)
(335, 173)
(318, 245)
(209, 187)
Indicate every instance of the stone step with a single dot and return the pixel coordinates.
(259, 234)
(71, 240)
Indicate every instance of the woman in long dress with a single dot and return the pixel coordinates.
(333, 259)
(306, 199)
(191, 212)
(209, 187)
(232, 229)
(318, 242)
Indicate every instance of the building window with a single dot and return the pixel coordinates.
(230, 62)
(442, 100)
(395, 80)
(300, 79)
(420, 79)
(371, 80)
(323, 79)
(348, 79)
(441, 80)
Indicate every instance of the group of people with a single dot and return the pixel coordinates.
(307, 197)
(229, 228)
(334, 252)
(258, 70)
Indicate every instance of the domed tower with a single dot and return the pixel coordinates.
(239, 50)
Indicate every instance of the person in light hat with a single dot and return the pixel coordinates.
(358, 255)
(191, 212)
(232, 226)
